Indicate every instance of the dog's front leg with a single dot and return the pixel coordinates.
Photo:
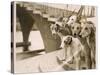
(78, 64)
(93, 59)
(64, 55)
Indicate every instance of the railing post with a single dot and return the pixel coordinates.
(26, 22)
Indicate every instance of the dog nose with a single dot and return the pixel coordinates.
(66, 25)
(53, 34)
(74, 34)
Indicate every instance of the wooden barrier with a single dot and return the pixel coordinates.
(21, 44)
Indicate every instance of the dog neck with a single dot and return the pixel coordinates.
(88, 40)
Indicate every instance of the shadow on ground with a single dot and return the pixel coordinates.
(29, 54)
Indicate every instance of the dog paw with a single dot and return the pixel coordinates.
(70, 62)
(59, 61)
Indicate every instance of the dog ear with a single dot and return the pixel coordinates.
(50, 26)
(93, 28)
(91, 24)
(58, 26)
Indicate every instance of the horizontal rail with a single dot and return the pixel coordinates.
(20, 44)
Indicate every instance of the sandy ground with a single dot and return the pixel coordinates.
(41, 63)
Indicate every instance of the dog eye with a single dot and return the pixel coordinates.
(77, 27)
(72, 27)
(57, 25)
(84, 23)
(86, 28)
(63, 25)
(55, 29)
(72, 19)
